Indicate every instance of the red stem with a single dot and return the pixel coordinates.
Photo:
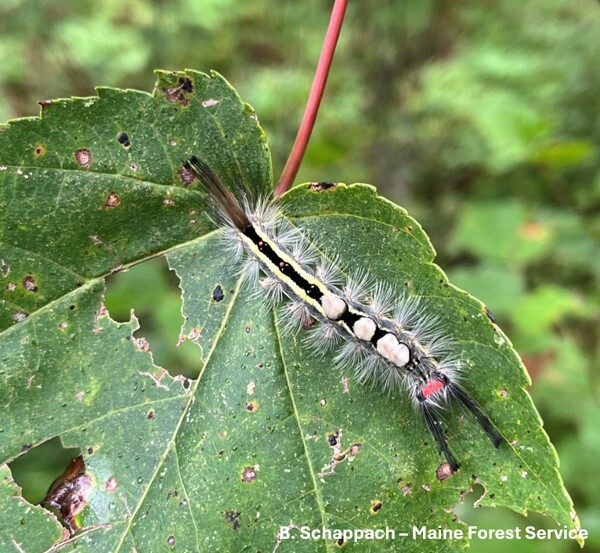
(314, 100)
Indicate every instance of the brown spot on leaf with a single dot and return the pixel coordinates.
(376, 506)
(112, 200)
(111, 484)
(444, 471)
(29, 284)
(141, 344)
(171, 541)
(40, 150)
(123, 139)
(150, 415)
(210, 103)
(251, 406)
(354, 449)
(44, 107)
(489, 314)
(407, 490)
(195, 334)
(334, 439)
(218, 293)
(186, 176)
(11, 286)
(233, 518)
(177, 93)
(19, 316)
(248, 474)
(187, 85)
(83, 157)
(322, 186)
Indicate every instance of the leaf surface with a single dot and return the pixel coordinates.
(221, 463)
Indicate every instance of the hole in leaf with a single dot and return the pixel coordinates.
(218, 293)
(35, 470)
(376, 506)
(152, 291)
(322, 186)
(488, 518)
(70, 493)
(123, 139)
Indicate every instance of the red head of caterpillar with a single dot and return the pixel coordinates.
(384, 337)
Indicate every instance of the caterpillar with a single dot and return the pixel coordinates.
(384, 336)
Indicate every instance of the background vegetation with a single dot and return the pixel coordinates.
(479, 116)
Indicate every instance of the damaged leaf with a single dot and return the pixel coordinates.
(69, 493)
(268, 436)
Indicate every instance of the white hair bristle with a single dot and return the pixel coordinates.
(295, 317)
(304, 253)
(323, 337)
(272, 289)
(384, 300)
(356, 289)
(250, 270)
(407, 311)
(330, 273)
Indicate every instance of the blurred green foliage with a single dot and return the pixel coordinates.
(479, 116)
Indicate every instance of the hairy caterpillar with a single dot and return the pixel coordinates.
(383, 336)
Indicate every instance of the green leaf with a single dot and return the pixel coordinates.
(21, 523)
(226, 460)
